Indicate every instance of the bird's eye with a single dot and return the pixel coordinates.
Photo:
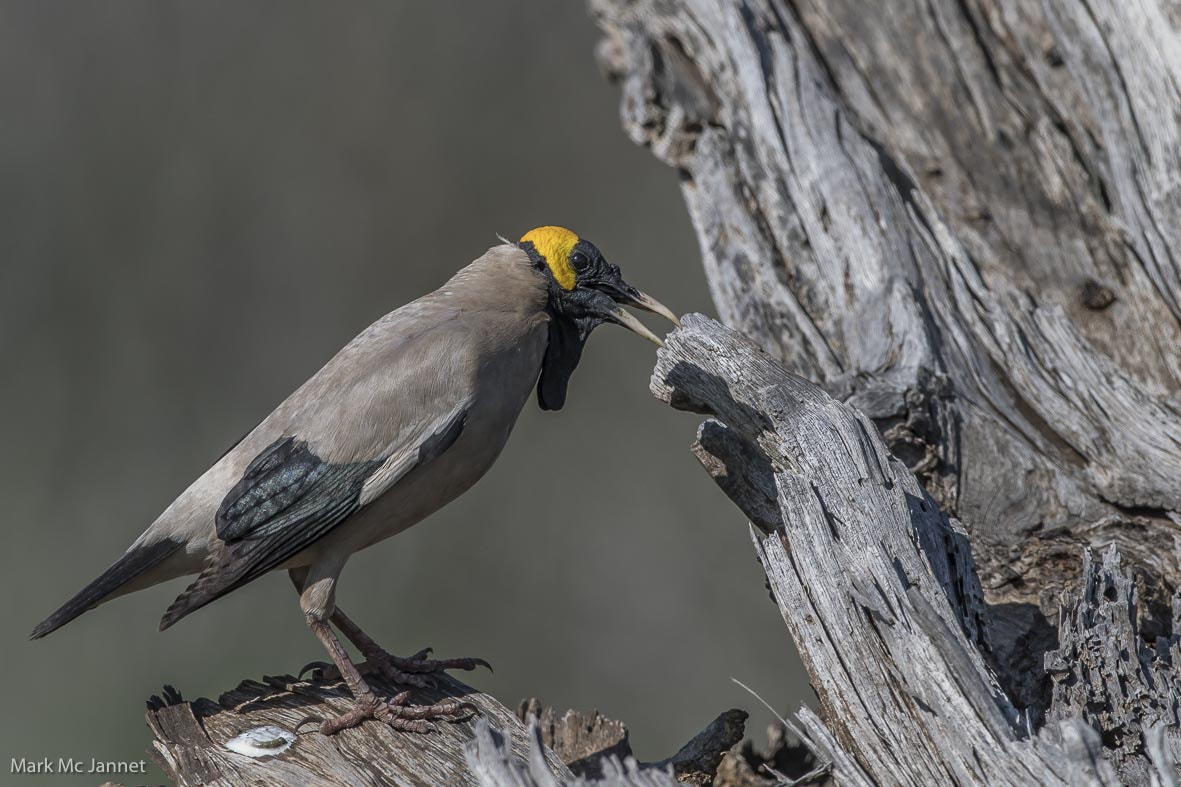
(579, 261)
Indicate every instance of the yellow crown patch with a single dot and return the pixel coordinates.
(554, 244)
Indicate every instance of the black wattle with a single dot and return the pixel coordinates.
(562, 354)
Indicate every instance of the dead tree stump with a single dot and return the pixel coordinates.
(961, 218)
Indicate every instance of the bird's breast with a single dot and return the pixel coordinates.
(503, 382)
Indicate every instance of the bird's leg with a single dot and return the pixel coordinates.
(412, 671)
(396, 711)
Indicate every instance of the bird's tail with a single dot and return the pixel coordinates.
(134, 563)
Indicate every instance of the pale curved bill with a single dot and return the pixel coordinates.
(629, 321)
(650, 304)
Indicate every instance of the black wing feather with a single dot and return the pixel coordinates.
(285, 485)
(287, 499)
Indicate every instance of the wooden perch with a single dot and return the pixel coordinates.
(533, 746)
(191, 738)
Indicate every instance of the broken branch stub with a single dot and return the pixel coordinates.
(876, 585)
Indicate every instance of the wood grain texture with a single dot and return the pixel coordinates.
(587, 741)
(533, 746)
(879, 590)
(190, 737)
(959, 216)
(495, 766)
(1104, 674)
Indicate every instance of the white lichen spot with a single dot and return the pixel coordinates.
(262, 742)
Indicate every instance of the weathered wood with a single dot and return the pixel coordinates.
(782, 761)
(191, 737)
(875, 583)
(1104, 673)
(961, 217)
(585, 741)
(697, 762)
(497, 747)
(495, 766)
(581, 740)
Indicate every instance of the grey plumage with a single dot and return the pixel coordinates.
(472, 348)
(400, 422)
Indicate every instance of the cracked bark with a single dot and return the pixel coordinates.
(879, 590)
(497, 748)
(959, 217)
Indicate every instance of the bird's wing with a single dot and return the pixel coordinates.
(288, 498)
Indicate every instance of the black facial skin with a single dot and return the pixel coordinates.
(598, 287)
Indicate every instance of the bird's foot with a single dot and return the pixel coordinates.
(414, 670)
(398, 713)
(417, 669)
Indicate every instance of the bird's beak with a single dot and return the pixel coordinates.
(642, 300)
(620, 316)
(627, 295)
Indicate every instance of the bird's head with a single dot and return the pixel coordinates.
(584, 291)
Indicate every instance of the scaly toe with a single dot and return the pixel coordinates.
(416, 726)
(399, 714)
(358, 713)
(387, 670)
(400, 707)
(419, 665)
(409, 679)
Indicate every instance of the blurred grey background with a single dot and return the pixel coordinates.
(200, 203)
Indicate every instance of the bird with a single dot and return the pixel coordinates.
(401, 421)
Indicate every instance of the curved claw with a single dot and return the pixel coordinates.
(465, 664)
(323, 666)
(417, 665)
(470, 707)
(399, 699)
